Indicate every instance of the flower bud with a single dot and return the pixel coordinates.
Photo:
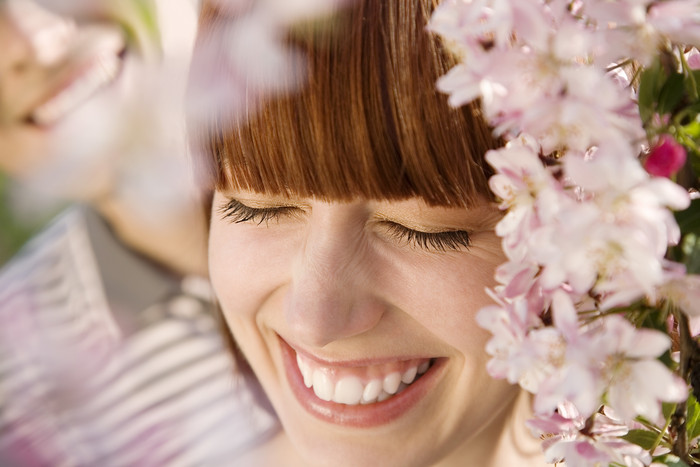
(666, 158)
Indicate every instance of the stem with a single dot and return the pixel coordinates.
(678, 419)
(661, 434)
(689, 74)
(616, 66)
(681, 115)
(601, 314)
(588, 316)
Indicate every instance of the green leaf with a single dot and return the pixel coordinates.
(692, 129)
(693, 418)
(696, 76)
(648, 317)
(650, 82)
(668, 408)
(694, 159)
(691, 253)
(671, 94)
(643, 438)
(689, 219)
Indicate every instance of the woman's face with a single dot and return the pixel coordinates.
(352, 298)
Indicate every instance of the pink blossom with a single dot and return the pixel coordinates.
(522, 350)
(576, 379)
(576, 239)
(589, 231)
(623, 360)
(242, 62)
(491, 76)
(498, 20)
(566, 438)
(582, 245)
(633, 26)
(638, 381)
(684, 292)
(678, 20)
(520, 178)
(569, 115)
(693, 59)
(666, 158)
(607, 357)
(534, 82)
(520, 280)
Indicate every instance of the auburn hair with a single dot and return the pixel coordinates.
(368, 121)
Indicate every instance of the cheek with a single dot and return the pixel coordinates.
(26, 140)
(445, 295)
(246, 265)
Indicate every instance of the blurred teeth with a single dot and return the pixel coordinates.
(102, 72)
(351, 390)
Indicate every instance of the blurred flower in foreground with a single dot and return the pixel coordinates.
(244, 60)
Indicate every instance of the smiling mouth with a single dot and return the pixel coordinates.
(360, 395)
(360, 385)
(101, 71)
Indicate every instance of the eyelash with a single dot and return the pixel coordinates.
(239, 213)
(452, 240)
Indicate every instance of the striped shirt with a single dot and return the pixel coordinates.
(107, 360)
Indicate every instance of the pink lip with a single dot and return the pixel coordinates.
(360, 416)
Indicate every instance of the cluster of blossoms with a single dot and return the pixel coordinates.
(591, 297)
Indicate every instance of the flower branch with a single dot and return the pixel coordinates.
(587, 234)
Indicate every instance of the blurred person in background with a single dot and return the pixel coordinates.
(108, 352)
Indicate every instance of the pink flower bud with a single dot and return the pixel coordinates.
(693, 59)
(666, 158)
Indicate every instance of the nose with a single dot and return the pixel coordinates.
(331, 295)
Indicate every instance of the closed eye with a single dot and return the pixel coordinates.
(237, 212)
(449, 240)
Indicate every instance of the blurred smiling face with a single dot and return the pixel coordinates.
(51, 66)
(358, 320)
(55, 61)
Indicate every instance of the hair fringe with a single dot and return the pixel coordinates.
(367, 123)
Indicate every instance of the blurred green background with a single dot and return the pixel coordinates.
(16, 227)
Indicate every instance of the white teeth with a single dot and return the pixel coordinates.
(351, 390)
(306, 372)
(391, 382)
(409, 375)
(348, 391)
(423, 367)
(372, 391)
(323, 387)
